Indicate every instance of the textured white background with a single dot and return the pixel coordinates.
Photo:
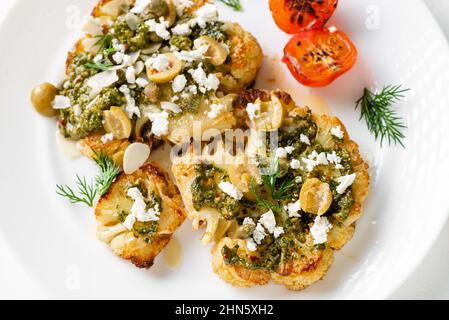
(429, 281)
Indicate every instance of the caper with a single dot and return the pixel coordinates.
(42, 98)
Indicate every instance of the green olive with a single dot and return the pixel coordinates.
(42, 98)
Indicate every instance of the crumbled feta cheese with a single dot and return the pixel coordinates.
(215, 110)
(335, 159)
(206, 14)
(77, 110)
(159, 63)
(102, 80)
(134, 193)
(259, 233)
(159, 28)
(289, 150)
(107, 137)
(320, 229)
(142, 82)
(118, 46)
(61, 102)
(295, 164)
(152, 214)
(205, 82)
(281, 153)
(160, 123)
(304, 139)
(278, 231)
(131, 108)
(315, 159)
(139, 209)
(170, 106)
(193, 89)
(251, 245)
(131, 75)
(345, 182)
(179, 83)
(298, 179)
(268, 221)
(248, 221)
(182, 5)
(230, 190)
(337, 132)
(253, 110)
(182, 29)
(193, 55)
(293, 208)
(140, 6)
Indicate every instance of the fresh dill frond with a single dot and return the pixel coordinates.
(272, 177)
(101, 66)
(381, 119)
(234, 4)
(262, 202)
(86, 192)
(105, 43)
(108, 173)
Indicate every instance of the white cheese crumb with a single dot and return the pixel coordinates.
(159, 63)
(298, 179)
(140, 6)
(345, 182)
(295, 164)
(293, 208)
(142, 82)
(251, 245)
(182, 29)
(179, 83)
(259, 233)
(107, 138)
(205, 82)
(130, 108)
(289, 149)
(131, 75)
(61, 102)
(206, 14)
(277, 232)
(315, 159)
(193, 55)
(320, 229)
(268, 221)
(98, 58)
(77, 110)
(248, 221)
(160, 123)
(215, 110)
(281, 153)
(253, 110)
(159, 28)
(182, 5)
(337, 132)
(304, 139)
(230, 190)
(335, 159)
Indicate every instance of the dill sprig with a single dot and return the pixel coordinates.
(86, 192)
(278, 186)
(105, 43)
(101, 66)
(381, 119)
(234, 4)
(108, 173)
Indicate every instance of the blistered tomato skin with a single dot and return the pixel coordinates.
(293, 16)
(317, 58)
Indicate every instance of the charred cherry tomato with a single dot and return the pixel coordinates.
(294, 16)
(317, 58)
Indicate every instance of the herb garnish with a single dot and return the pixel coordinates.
(108, 173)
(234, 4)
(380, 118)
(279, 186)
(101, 66)
(86, 191)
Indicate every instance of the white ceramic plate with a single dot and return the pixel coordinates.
(54, 244)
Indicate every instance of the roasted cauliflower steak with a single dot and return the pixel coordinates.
(156, 204)
(281, 212)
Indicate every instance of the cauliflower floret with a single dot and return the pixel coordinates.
(141, 244)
